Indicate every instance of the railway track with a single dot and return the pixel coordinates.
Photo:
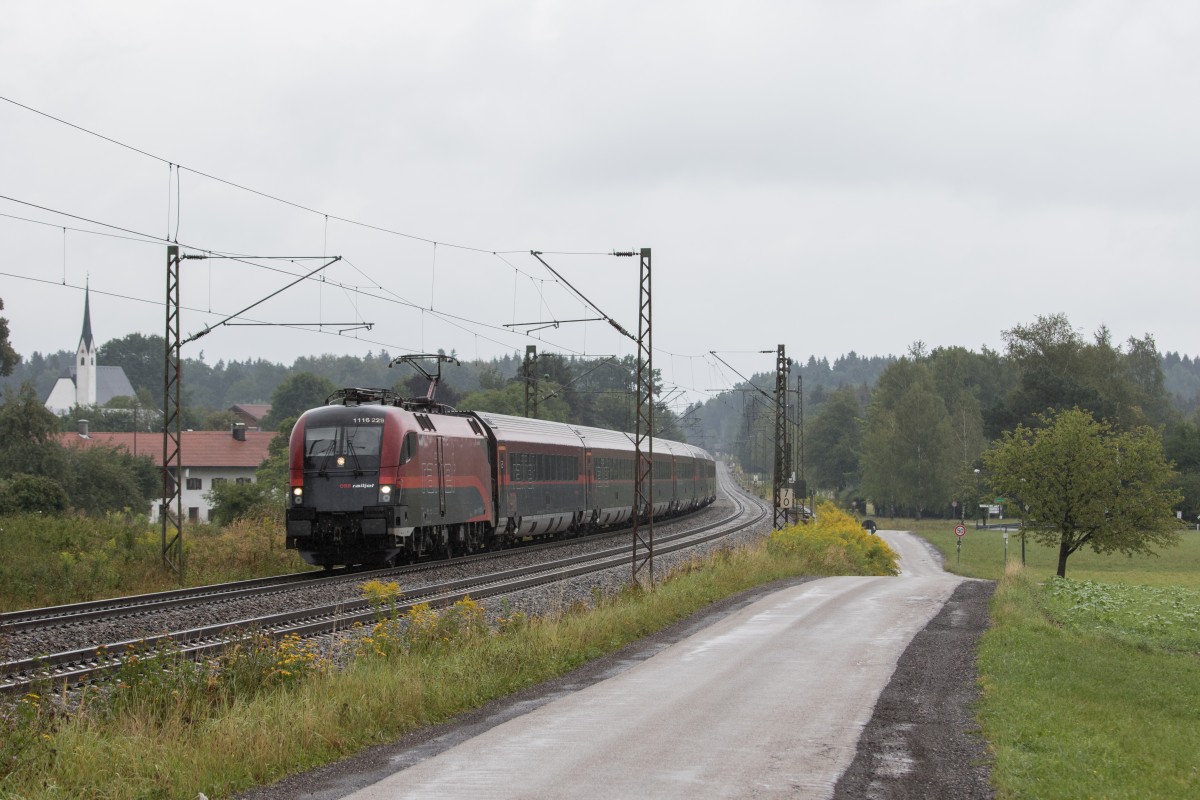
(144, 604)
(75, 613)
(73, 667)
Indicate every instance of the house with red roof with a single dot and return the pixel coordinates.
(209, 457)
(250, 414)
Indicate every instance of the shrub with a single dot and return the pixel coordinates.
(834, 543)
(231, 501)
(32, 494)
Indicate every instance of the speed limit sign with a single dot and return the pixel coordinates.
(960, 531)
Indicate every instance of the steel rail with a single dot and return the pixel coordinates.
(111, 608)
(77, 666)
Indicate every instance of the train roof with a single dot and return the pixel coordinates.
(523, 429)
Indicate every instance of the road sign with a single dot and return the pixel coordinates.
(960, 531)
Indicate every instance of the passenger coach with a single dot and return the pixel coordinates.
(379, 480)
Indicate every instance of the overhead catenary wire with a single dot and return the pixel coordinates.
(146, 238)
(266, 195)
(172, 165)
(175, 168)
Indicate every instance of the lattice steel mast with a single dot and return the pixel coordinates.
(643, 492)
(782, 502)
(172, 458)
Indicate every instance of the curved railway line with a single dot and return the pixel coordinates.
(80, 665)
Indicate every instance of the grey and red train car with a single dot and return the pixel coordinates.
(376, 481)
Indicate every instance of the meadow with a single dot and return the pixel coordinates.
(983, 556)
(1091, 684)
(57, 559)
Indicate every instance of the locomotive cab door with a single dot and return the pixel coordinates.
(441, 475)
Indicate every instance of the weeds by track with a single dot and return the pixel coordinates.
(83, 665)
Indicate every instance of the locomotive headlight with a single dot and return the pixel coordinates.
(297, 494)
(385, 493)
(341, 461)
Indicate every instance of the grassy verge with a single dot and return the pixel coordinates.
(1091, 684)
(276, 710)
(1092, 689)
(51, 560)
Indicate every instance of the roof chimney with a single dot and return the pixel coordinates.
(83, 428)
(239, 431)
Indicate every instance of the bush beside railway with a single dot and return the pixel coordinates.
(275, 709)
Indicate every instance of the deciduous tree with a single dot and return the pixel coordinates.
(296, 395)
(27, 436)
(908, 447)
(8, 356)
(834, 440)
(1086, 484)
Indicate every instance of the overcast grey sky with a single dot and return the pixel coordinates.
(833, 176)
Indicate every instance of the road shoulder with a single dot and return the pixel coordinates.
(923, 740)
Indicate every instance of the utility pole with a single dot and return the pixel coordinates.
(531, 391)
(171, 510)
(643, 491)
(781, 502)
(802, 486)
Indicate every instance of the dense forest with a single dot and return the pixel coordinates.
(907, 434)
(596, 392)
(904, 433)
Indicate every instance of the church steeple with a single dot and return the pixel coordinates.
(86, 338)
(85, 358)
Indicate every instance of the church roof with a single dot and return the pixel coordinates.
(110, 382)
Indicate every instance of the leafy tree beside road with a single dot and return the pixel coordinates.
(8, 356)
(1086, 484)
(909, 442)
(835, 441)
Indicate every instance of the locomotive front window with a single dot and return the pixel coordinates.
(342, 446)
(319, 443)
(363, 440)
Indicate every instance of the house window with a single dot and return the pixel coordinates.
(244, 480)
(194, 514)
(216, 481)
(193, 483)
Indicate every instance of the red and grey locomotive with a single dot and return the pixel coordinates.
(376, 480)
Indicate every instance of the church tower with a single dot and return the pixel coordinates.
(84, 382)
(85, 359)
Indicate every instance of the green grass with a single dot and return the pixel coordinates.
(982, 556)
(1091, 685)
(52, 560)
(272, 712)
(1076, 709)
